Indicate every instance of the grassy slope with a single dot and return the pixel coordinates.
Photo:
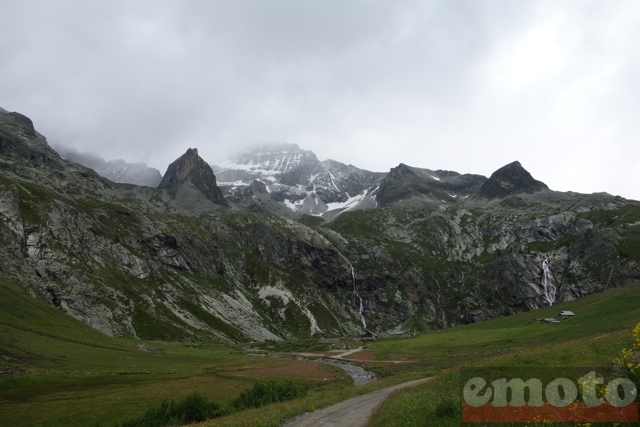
(78, 376)
(416, 406)
(602, 326)
(598, 314)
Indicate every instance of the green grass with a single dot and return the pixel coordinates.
(418, 406)
(195, 407)
(68, 374)
(274, 415)
(596, 315)
(630, 245)
(311, 221)
(364, 223)
(627, 214)
(548, 246)
(601, 328)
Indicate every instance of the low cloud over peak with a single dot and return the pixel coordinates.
(456, 85)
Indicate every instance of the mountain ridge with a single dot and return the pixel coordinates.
(117, 170)
(296, 179)
(167, 263)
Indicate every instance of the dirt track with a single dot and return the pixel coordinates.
(354, 412)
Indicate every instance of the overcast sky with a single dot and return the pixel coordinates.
(463, 85)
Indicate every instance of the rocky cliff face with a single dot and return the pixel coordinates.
(463, 262)
(169, 263)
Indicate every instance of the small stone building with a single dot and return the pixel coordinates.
(369, 336)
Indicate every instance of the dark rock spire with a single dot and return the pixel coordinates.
(190, 167)
(510, 179)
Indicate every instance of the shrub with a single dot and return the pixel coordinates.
(263, 393)
(193, 408)
(628, 364)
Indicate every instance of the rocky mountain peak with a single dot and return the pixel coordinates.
(406, 181)
(295, 180)
(18, 138)
(510, 179)
(19, 123)
(190, 167)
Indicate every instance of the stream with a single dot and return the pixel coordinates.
(357, 373)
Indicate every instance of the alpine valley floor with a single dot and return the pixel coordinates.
(59, 372)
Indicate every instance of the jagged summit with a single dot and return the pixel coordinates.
(510, 179)
(295, 179)
(190, 167)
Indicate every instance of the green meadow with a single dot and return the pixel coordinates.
(594, 337)
(60, 372)
(596, 316)
(57, 371)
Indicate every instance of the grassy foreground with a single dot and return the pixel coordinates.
(601, 328)
(59, 372)
(594, 337)
(596, 316)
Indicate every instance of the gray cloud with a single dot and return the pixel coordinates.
(462, 85)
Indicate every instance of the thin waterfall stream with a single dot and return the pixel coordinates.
(547, 283)
(355, 292)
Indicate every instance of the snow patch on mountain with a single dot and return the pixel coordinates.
(297, 180)
(351, 202)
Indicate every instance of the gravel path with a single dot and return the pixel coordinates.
(354, 412)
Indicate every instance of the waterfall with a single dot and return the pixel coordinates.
(547, 283)
(355, 292)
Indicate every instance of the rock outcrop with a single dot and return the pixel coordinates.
(405, 182)
(191, 168)
(508, 180)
